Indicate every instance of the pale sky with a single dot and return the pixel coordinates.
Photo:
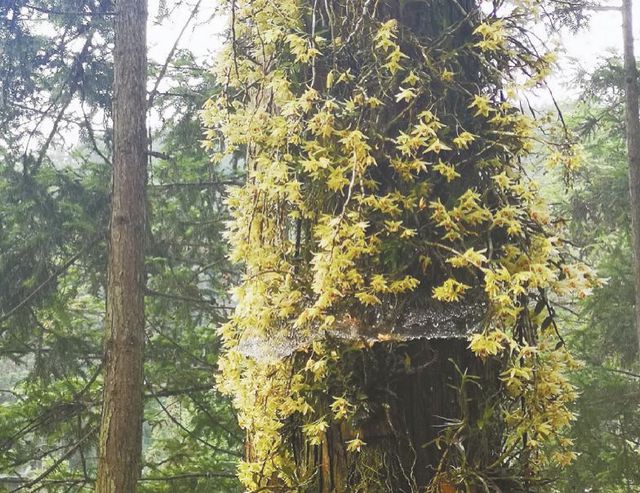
(602, 37)
(203, 37)
(586, 47)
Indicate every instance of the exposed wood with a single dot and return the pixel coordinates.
(121, 426)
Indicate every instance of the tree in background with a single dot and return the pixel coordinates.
(385, 219)
(54, 184)
(607, 432)
(632, 93)
(120, 445)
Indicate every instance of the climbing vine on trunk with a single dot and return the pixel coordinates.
(383, 146)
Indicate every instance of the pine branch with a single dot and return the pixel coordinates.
(192, 475)
(59, 461)
(190, 433)
(44, 10)
(177, 392)
(186, 299)
(72, 260)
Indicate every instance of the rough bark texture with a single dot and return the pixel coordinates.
(121, 429)
(412, 390)
(633, 144)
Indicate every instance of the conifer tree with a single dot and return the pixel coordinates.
(56, 150)
(122, 408)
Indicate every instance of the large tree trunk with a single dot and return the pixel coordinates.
(633, 144)
(121, 429)
(425, 414)
(413, 391)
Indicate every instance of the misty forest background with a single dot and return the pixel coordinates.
(55, 155)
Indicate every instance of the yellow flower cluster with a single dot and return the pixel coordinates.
(382, 163)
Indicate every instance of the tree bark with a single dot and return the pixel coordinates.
(413, 390)
(121, 427)
(633, 145)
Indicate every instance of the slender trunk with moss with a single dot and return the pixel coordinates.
(633, 144)
(121, 427)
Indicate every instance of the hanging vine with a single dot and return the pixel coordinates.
(383, 146)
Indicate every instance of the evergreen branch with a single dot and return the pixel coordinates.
(186, 299)
(161, 155)
(92, 137)
(615, 370)
(66, 266)
(44, 10)
(178, 392)
(195, 184)
(214, 420)
(88, 480)
(74, 79)
(18, 480)
(59, 461)
(192, 475)
(190, 433)
(181, 348)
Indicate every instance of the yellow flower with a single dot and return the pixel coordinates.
(485, 345)
(355, 445)
(482, 105)
(405, 94)
(451, 290)
(463, 140)
(447, 170)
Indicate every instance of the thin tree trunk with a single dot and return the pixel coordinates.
(121, 428)
(633, 144)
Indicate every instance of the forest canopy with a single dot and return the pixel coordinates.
(361, 246)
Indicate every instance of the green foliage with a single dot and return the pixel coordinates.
(54, 186)
(607, 433)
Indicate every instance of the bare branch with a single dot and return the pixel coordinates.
(163, 70)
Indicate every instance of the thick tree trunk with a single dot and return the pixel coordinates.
(413, 391)
(121, 428)
(633, 144)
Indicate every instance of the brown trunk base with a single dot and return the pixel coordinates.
(407, 393)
